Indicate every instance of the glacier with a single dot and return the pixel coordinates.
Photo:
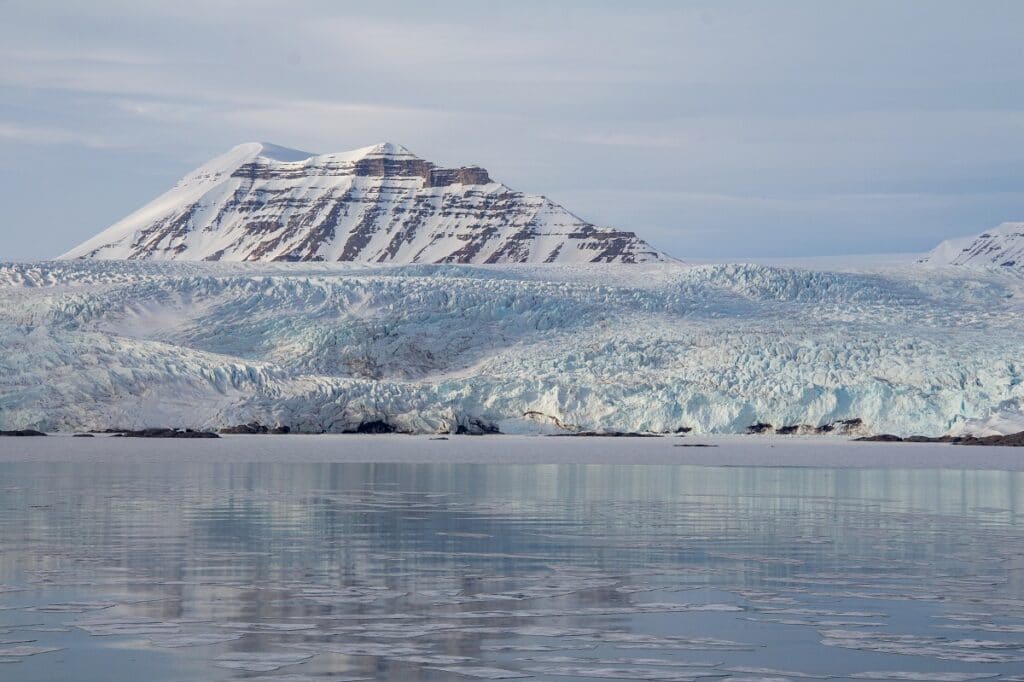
(325, 347)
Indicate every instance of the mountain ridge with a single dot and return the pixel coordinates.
(380, 203)
(1001, 246)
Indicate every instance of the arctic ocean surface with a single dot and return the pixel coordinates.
(327, 558)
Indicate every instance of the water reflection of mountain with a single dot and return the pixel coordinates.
(414, 570)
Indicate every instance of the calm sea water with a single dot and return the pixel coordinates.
(298, 571)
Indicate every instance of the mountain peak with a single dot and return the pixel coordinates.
(276, 152)
(381, 203)
(1001, 246)
(268, 150)
(389, 150)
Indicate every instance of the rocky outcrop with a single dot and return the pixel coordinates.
(843, 427)
(1002, 246)
(379, 204)
(376, 426)
(474, 426)
(467, 175)
(254, 428)
(165, 433)
(1009, 440)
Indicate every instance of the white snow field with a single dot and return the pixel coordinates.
(92, 344)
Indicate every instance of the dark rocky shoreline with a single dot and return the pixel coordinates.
(165, 433)
(1009, 440)
(255, 428)
(837, 428)
(479, 427)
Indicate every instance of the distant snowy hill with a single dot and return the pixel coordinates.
(380, 204)
(427, 348)
(1003, 246)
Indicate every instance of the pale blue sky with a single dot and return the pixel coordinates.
(713, 129)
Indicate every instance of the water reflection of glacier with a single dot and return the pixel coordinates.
(460, 571)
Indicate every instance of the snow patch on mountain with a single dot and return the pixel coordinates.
(328, 346)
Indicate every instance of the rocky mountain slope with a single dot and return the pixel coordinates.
(329, 347)
(1002, 246)
(380, 204)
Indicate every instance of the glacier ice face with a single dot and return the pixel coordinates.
(261, 202)
(327, 346)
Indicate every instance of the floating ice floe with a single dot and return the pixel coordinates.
(966, 650)
(260, 661)
(195, 639)
(926, 676)
(483, 672)
(21, 651)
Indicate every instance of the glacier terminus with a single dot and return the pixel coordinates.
(534, 348)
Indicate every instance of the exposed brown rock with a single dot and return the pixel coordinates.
(166, 433)
(1009, 440)
(387, 206)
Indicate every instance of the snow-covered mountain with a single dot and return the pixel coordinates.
(1003, 246)
(330, 346)
(380, 204)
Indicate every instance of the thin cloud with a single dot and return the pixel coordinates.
(678, 118)
(20, 134)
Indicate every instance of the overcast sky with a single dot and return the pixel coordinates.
(714, 129)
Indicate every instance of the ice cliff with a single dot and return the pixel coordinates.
(327, 346)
